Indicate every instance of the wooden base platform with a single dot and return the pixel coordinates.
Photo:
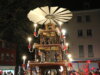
(49, 66)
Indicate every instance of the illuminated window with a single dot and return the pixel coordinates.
(81, 51)
(90, 51)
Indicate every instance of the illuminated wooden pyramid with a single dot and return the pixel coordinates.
(51, 47)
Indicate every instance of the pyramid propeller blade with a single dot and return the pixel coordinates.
(45, 9)
(53, 9)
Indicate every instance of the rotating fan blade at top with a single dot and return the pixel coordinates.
(45, 9)
(59, 10)
(53, 9)
(45, 15)
(36, 15)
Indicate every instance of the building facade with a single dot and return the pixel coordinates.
(83, 35)
(7, 57)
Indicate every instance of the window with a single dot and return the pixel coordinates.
(0, 44)
(7, 57)
(12, 57)
(2, 56)
(81, 51)
(87, 18)
(80, 33)
(89, 32)
(90, 51)
(79, 18)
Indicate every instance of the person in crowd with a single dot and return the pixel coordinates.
(97, 72)
(72, 73)
(77, 73)
(5, 73)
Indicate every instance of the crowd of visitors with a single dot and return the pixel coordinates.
(97, 72)
(6, 73)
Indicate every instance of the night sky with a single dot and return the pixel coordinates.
(78, 4)
(15, 26)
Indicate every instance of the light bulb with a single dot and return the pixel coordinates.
(67, 44)
(60, 23)
(35, 25)
(29, 39)
(69, 55)
(24, 57)
(63, 31)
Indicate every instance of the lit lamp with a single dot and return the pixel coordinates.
(66, 46)
(35, 26)
(70, 57)
(63, 33)
(63, 37)
(23, 65)
(60, 24)
(29, 45)
(24, 58)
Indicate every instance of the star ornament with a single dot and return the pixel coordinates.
(46, 14)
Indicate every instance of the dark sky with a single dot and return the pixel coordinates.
(70, 4)
(78, 4)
